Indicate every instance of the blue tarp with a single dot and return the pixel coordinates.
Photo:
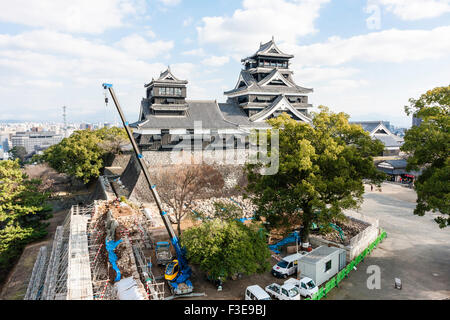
(110, 246)
(293, 237)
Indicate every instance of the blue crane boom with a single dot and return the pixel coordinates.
(185, 271)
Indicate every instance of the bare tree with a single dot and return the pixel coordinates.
(179, 186)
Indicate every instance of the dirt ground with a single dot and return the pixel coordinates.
(232, 289)
(15, 286)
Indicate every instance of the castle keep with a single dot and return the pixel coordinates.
(265, 88)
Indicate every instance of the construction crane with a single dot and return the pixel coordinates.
(178, 271)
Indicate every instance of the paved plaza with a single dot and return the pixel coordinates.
(416, 250)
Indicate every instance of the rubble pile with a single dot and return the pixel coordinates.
(350, 227)
(206, 206)
(130, 229)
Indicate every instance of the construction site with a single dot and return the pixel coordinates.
(107, 251)
(122, 246)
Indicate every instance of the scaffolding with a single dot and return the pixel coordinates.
(77, 267)
(155, 290)
(37, 279)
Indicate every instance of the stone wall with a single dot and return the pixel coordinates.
(134, 181)
(234, 157)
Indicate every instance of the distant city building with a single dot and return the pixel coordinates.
(35, 142)
(5, 142)
(379, 130)
(86, 126)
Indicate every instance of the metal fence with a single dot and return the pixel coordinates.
(334, 282)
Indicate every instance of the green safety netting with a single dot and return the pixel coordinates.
(321, 293)
(330, 285)
(341, 275)
(333, 282)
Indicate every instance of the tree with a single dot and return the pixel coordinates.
(79, 156)
(179, 186)
(223, 248)
(428, 146)
(19, 152)
(22, 209)
(321, 171)
(113, 139)
(83, 154)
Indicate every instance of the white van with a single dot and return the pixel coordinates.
(288, 265)
(255, 292)
(305, 285)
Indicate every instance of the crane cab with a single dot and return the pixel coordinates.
(172, 270)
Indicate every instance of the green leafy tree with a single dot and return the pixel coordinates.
(19, 152)
(79, 156)
(428, 146)
(227, 211)
(113, 139)
(83, 154)
(224, 248)
(321, 171)
(22, 209)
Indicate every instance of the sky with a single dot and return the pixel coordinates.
(363, 57)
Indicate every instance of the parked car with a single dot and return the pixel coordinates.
(255, 292)
(288, 265)
(305, 285)
(284, 292)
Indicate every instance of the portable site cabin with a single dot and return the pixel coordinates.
(322, 263)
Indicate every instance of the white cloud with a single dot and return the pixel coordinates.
(170, 2)
(79, 16)
(137, 46)
(216, 61)
(149, 33)
(58, 69)
(393, 45)
(188, 21)
(195, 52)
(313, 75)
(416, 9)
(259, 20)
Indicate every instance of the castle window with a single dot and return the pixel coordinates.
(381, 131)
(276, 82)
(170, 91)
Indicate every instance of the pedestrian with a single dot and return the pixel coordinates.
(371, 187)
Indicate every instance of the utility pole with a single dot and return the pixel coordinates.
(65, 121)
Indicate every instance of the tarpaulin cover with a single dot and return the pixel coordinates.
(110, 246)
(127, 289)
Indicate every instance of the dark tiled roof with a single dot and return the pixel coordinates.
(387, 140)
(397, 164)
(258, 86)
(263, 51)
(233, 113)
(368, 126)
(207, 112)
